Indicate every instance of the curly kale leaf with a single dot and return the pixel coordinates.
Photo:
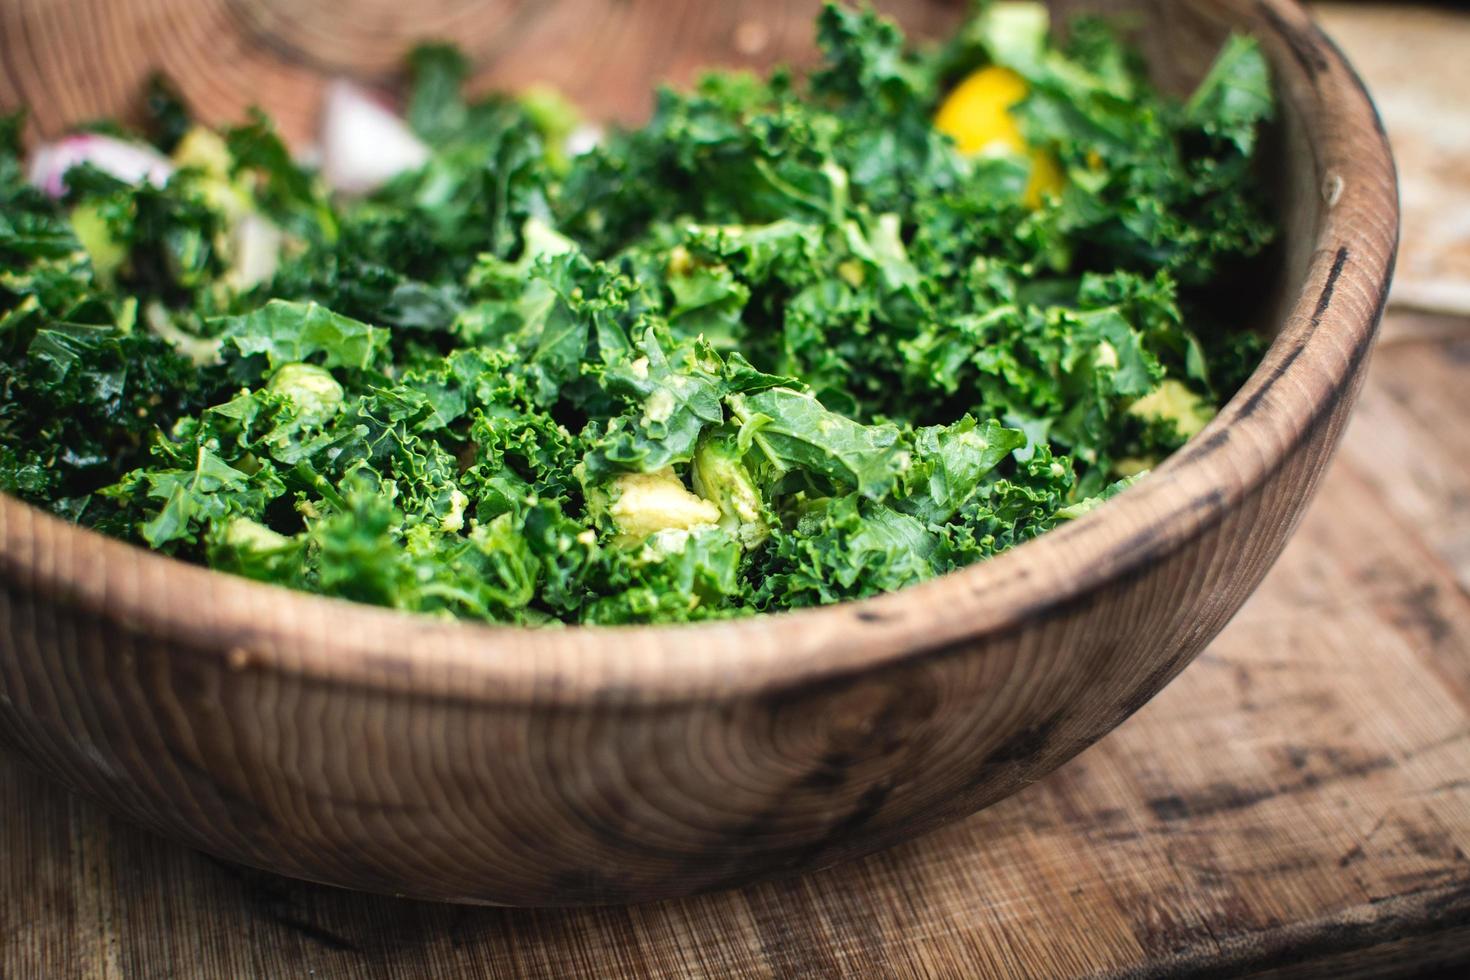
(790, 431)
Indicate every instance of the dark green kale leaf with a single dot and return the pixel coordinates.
(166, 115)
(673, 398)
(1235, 97)
(436, 108)
(949, 463)
(841, 548)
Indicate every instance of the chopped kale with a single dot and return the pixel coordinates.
(789, 343)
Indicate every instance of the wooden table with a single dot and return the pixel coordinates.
(1298, 801)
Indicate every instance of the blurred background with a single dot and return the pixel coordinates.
(232, 54)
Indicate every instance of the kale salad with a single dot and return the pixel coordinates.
(794, 341)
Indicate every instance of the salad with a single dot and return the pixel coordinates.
(792, 342)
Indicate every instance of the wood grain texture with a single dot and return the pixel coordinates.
(1298, 802)
(394, 754)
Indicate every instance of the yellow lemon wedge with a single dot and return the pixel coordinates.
(977, 116)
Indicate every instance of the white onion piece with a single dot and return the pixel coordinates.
(125, 160)
(583, 140)
(257, 251)
(364, 145)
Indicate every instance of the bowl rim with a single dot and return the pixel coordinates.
(1314, 360)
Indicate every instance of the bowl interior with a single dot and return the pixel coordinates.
(80, 59)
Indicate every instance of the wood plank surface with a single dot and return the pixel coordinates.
(1412, 57)
(1299, 798)
(1298, 801)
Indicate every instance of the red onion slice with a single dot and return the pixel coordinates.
(125, 160)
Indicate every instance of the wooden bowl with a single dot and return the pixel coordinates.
(393, 753)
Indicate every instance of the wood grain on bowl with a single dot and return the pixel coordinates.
(385, 752)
